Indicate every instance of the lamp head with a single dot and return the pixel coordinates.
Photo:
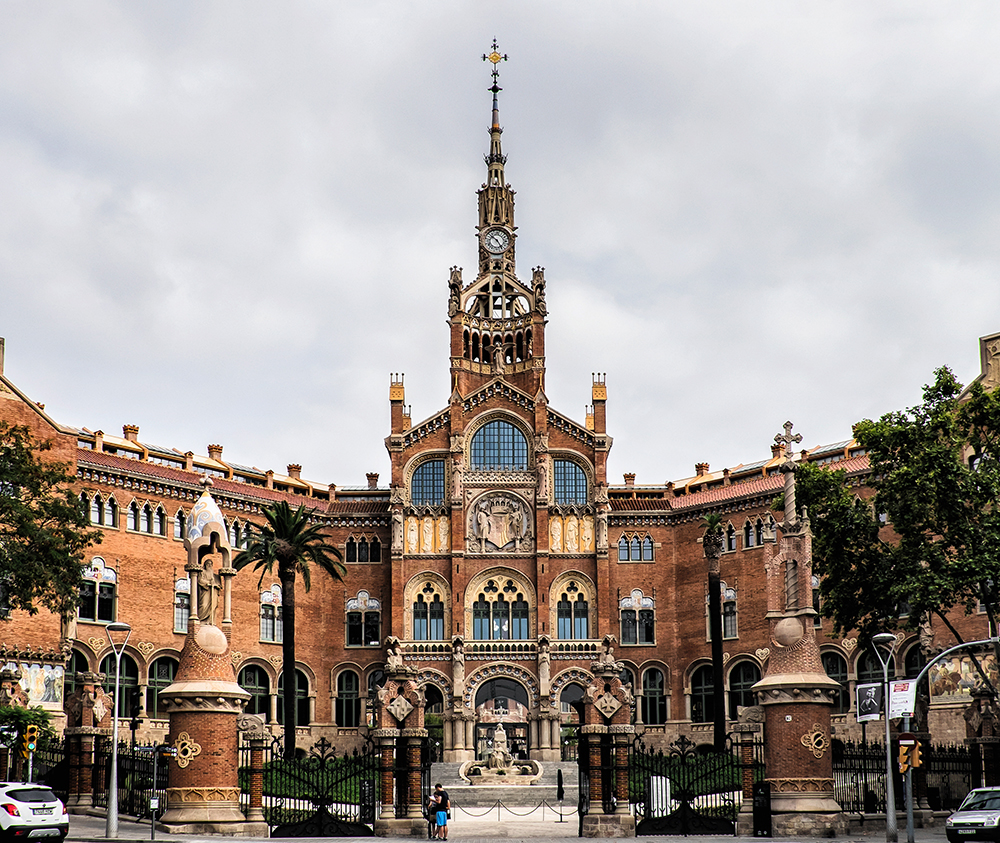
(118, 626)
(884, 639)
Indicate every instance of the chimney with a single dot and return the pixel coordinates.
(670, 487)
(725, 477)
(189, 460)
(215, 452)
(372, 479)
(701, 469)
(294, 471)
(629, 479)
(98, 440)
(130, 432)
(775, 451)
(269, 483)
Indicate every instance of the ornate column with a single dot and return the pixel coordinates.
(204, 700)
(607, 712)
(87, 711)
(402, 737)
(795, 692)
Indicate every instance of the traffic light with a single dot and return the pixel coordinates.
(915, 759)
(904, 757)
(134, 702)
(30, 742)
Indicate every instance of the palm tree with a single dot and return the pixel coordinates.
(291, 543)
(712, 545)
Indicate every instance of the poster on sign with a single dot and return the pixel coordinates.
(902, 699)
(869, 704)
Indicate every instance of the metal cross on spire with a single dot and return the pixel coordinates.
(785, 441)
(495, 57)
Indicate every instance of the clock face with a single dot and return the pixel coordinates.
(496, 240)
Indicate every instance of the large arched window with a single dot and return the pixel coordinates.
(500, 612)
(301, 699)
(836, 668)
(98, 592)
(427, 485)
(161, 674)
(77, 664)
(127, 682)
(348, 706)
(654, 698)
(741, 679)
(870, 669)
(702, 696)
(569, 482)
(498, 445)
(254, 681)
(428, 615)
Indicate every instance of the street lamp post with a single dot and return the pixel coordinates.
(887, 640)
(111, 828)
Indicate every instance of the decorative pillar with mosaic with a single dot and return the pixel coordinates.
(204, 701)
(796, 693)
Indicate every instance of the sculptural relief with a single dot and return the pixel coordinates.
(412, 534)
(587, 534)
(572, 535)
(427, 546)
(499, 522)
(555, 535)
(442, 534)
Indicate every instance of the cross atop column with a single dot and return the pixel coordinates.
(785, 441)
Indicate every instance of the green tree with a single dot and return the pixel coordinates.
(290, 544)
(43, 528)
(936, 475)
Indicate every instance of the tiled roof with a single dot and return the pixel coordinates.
(190, 478)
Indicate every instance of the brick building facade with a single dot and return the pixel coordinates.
(498, 553)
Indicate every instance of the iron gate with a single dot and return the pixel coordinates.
(687, 789)
(322, 794)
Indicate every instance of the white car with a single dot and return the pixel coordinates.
(31, 811)
(977, 818)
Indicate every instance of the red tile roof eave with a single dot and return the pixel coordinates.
(98, 460)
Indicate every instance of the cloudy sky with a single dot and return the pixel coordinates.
(229, 222)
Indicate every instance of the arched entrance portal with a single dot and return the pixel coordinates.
(502, 700)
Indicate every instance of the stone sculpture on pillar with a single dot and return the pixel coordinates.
(204, 700)
(607, 716)
(88, 716)
(401, 738)
(796, 694)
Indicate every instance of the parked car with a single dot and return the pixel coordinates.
(977, 818)
(31, 811)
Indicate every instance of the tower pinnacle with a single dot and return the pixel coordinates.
(495, 160)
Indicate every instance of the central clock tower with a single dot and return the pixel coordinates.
(497, 321)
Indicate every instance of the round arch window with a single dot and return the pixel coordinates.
(499, 445)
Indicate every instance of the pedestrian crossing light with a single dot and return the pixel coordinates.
(915, 759)
(30, 740)
(904, 757)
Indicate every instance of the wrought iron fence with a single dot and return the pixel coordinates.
(859, 774)
(135, 777)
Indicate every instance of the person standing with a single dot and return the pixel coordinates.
(443, 806)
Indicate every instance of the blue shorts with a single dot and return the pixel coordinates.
(442, 818)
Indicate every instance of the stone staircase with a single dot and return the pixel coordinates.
(464, 795)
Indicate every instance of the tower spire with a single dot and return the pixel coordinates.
(496, 159)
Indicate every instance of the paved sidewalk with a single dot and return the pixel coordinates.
(469, 829)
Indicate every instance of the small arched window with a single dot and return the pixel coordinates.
(161, 522)
(147, 519)
(748, 535)
(702, 696)
(731, 538)
(133, 516)
(254, 681)
(179, 522)
(182, 604)
(742, 678)
(110, 513)
(836, 668)
(654, 699)
(427, 485)
(348, 706)
(569, 482)
(499, 445)
(623, 549)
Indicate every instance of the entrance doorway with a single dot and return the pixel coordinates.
(505, 701)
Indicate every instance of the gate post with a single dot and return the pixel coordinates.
(607, 714)
(252, 728)
(86, 709)
(796, 693)
(403, 738)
